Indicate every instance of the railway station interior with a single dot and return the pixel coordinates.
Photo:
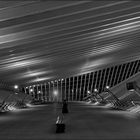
(69, 70)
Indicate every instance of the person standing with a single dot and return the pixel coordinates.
(65, 106)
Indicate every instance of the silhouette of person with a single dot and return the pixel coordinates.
(65, 107)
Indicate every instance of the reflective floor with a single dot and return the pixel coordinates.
(84, 121)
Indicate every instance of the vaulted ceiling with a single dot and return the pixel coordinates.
(48, 40)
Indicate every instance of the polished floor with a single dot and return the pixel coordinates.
(84, 121)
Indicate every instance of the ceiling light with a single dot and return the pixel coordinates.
(95, 90)
(107, 87)
(88, 91)
(31, 90)
(55, 92)
(16, 86)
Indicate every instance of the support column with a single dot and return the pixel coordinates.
(45, 96)
(69, 91)
(77, 88)
(41, 93)
(37, 93)
(49, 92)
(65, 89)
(88, 82)
(92, 83)
(80, 87)
(73, 88)
(61, 97)
(84, 85)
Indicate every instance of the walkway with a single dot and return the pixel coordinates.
(83, 122)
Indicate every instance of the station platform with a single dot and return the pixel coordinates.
(83, 122)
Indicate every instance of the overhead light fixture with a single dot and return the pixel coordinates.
(107, 87)
(95, 90)
(31, 90)
(16, 86)
(88, 91)
(55, 92)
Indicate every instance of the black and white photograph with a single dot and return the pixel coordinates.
(69, 70)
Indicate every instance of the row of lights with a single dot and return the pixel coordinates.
(48, 82)
(31, 90)
(39, 92)
(55, 92)
(96, 90)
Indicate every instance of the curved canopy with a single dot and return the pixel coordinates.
(48, 40)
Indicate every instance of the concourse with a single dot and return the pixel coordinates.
(69, 70)
(84, 121)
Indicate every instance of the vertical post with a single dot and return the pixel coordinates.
(29, 90)
(128, 69)
(108, 77)
(53, 92)
(73, 88)
(92, 82)
(104, 79)
(124, 71)
(41, 93)
(77, 88)
(111, 76)
(69, 91)
(137, 65)
(80, 87)
(119, 73)
(84, 85)
(58, 97)
(49, 92)
(114, 78)
(45, 96)
(99, 89)
(88, 82)
(65, 89)
(61, 91)
(37, 92)
(131, 69)
(96, 79)
(33, 92)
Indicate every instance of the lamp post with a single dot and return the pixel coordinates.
(117, 101)
(91, 96)
(111, 93)
(97, 93)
